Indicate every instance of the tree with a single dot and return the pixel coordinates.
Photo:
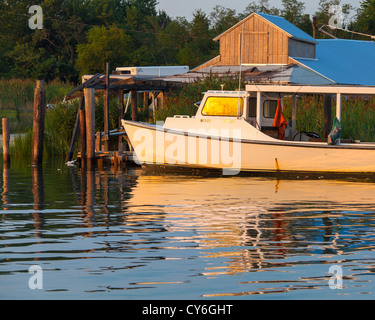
(324, 14)
(200, 46)
(293, 11)
(173, 38)
(104, 45)
(262, 6)
(365, 18)
(222, 19)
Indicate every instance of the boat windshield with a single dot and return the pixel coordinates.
(223, 106)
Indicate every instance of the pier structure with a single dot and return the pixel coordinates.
(100, 146)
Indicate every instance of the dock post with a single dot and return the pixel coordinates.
(6, 137)
(98, 142)
(82, 133)
(120, 111)
(259, 110)
(38, 122)
(90, 125)
(338, 106)
(134, 106)
(106, 110)
(327, 115)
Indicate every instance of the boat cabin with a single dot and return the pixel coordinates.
(256, 108)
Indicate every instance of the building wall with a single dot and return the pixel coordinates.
(257, 41)
(300, 49)
(260, 41)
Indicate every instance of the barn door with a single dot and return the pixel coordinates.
(254, 47)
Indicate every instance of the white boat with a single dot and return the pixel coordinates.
(233, 131)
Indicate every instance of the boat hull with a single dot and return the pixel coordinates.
(158, 146)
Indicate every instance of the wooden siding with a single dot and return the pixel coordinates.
(261, 43)
(213, 62)
(257, 41)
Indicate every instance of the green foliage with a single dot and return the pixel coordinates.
(17, 96)
(80, 36)
(358, 116)
(103, 44)
(21, 148)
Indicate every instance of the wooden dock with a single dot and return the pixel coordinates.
(115, 158)
(96, 146)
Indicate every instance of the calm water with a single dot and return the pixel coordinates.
(131, 235)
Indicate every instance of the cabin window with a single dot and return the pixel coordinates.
(269, 108)
(223, 106)
(252, 107)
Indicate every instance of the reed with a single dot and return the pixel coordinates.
(17, 98)
(358, 118)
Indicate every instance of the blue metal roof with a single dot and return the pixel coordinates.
(344, 61)
(287, 27)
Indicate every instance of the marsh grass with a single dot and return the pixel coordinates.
(17, 99)
(59, 125)
(357, 116)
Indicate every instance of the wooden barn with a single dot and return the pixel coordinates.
(262, 39)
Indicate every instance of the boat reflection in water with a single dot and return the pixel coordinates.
(251, 224)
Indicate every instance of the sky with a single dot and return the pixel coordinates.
(185, 8)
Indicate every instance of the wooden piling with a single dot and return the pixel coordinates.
(38, 122)
(6, 137)
(120, 112)
(90, 125)
(106, 110)
(98, 142)
(134, 106)
(82, 132)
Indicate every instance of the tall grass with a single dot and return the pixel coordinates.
(357, 116)
(310, 113)
(17, 98)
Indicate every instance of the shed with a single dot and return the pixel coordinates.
(262, 39)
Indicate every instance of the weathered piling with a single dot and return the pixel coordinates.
(90, 125)
(38, 198)
(38, 122)
(6, 137)
(82, 131)
(106, 110)
(134, 106)
(120, 112)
